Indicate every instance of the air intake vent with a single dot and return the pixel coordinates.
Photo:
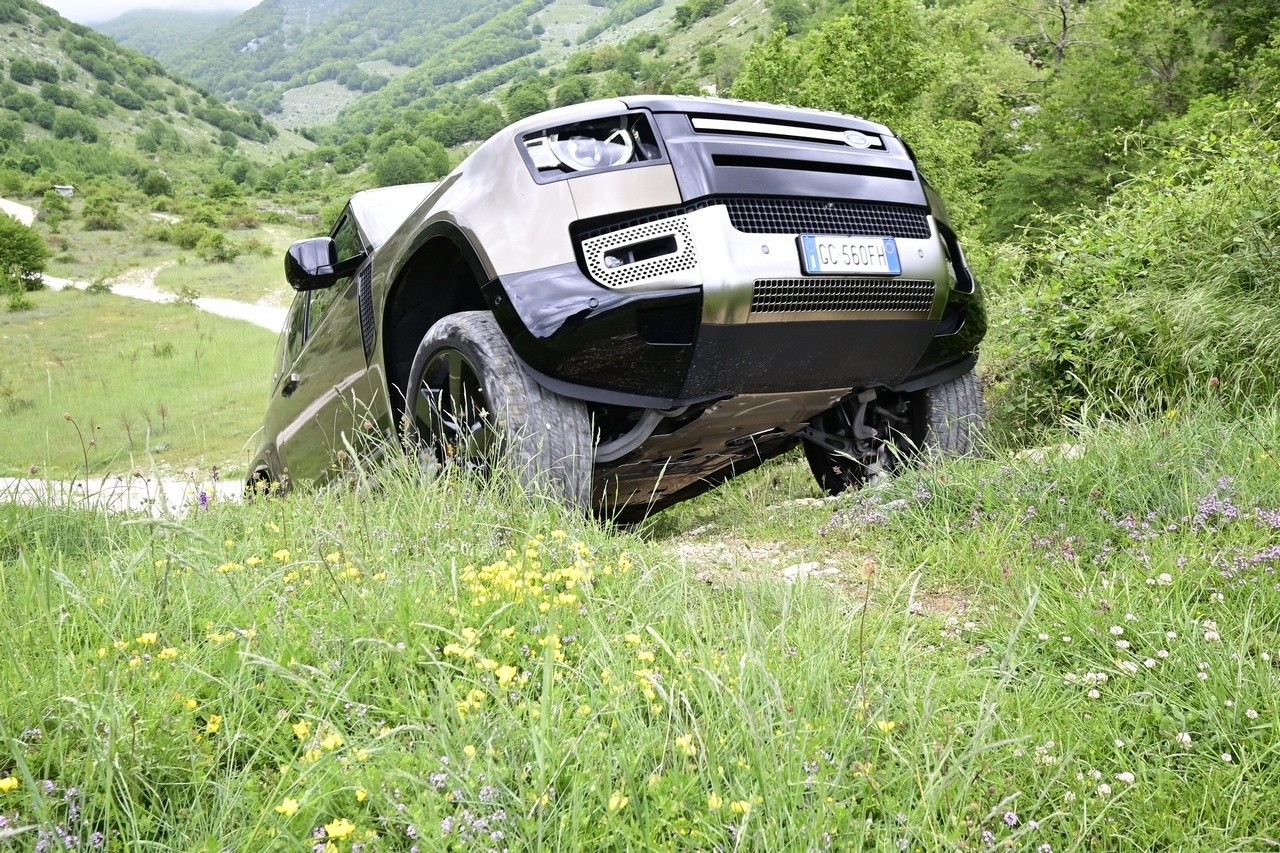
(641, 254)
(806, 216)
(765, 215)
(842, 295)
(364, 300)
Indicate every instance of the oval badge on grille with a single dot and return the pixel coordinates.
(854, 139)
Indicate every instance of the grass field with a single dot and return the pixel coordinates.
(1069, 651)
(146, 386)
(257, 275)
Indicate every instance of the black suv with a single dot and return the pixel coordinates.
(632, 301)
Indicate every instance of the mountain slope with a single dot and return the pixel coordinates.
(76, 106)
(160, 33)
(283, 44)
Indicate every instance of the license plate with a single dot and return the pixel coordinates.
(865, 255)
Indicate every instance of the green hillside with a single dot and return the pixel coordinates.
(160, 33)
(77, 107)
(283, 44)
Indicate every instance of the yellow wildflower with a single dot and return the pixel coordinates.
(469, 751)
(191, 704)
(147, 639)
(168, 654)
(214, 723)
(334, 558)
(312, 755)
(361, 795)
(687, 746)
(288, 807)
(714, 802)
(7, 784)
(505, 674)
(301, 729)
(618, 801)
(740, 806)
(332, 741)
(339, 828)
(282, 555)
(886, 726)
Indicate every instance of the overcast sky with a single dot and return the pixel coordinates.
(98, 11)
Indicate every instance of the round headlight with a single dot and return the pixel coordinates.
(584, 152)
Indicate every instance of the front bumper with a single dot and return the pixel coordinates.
(710, 301)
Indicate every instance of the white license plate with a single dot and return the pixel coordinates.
(864, 255)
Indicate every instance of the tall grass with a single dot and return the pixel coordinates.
(1060, 652)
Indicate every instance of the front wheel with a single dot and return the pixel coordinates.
(878, 435)
(471, 400)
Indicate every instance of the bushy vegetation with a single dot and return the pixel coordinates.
(22, 256)
(1169, 289)
(442, 42)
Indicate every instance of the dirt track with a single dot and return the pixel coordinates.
(141, 284)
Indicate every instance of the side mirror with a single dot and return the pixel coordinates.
(313, 264)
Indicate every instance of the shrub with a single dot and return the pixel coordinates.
(187, 235)
(54, 208)
(69, 125)
(215, 248)
(22, 255)
(21, 70)
(102, 214)
(155, 183)
(1169, 288)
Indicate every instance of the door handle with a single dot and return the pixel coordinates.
(290, 385)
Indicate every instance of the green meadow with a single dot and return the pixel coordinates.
(1075, 649)
(100, 384)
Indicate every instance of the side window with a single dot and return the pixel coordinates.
(293, 336)
(347, 241)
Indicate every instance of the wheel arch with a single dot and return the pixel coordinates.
(442, 276)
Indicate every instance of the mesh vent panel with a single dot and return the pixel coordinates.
(788, 295)
(364, 299)
(794, 216)
(808, 216)
(595, 249)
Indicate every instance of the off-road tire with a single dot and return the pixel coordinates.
(544, 438)
(949, 418)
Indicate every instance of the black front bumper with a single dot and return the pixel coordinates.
(651, 349)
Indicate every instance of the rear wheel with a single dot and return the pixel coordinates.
(472, 401)
(878, 434)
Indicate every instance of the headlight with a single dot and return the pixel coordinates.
(599, 144)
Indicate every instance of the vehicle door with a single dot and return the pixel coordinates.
(327, 389)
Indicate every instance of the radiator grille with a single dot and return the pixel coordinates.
(762, 215)
(795, 295)
(809, 216)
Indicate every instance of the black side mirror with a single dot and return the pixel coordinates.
(313, 264)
